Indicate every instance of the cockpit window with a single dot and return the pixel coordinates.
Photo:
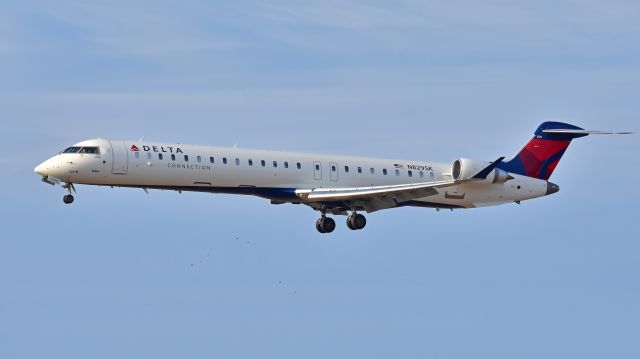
(92, 150)
(71, 150)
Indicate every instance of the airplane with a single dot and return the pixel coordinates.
(330, 184)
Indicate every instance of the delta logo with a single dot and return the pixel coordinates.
(168, 149)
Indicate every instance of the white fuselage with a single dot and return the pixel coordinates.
(269, 174)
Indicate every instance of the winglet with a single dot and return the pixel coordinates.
(485, 172)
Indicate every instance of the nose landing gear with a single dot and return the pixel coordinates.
(68, 199)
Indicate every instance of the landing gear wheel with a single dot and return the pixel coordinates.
(325, 225)
(349, 224)
(68, 199)
(328, 225)
(319, 225)
(356, 221)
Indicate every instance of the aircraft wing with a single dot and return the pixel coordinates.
(371, 198)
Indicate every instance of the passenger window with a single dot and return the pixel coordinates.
(211, 159)
(372, 170)
(275, 163)
(421, 174)
(359, 169)
(224, 160)
(333, 168)
(160, 156)
(432, 175)
(250, 162)
(173, 157)
(237, 162)
(317, 167)
(410, 173)
(397, 172)
(286, 164)
(186, 158)
(199, 159)
(148, 155)
(137, 154)
(384, 171)
(346, 169)
(298, 165)
(263, 163)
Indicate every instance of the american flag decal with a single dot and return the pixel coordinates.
(398, 166)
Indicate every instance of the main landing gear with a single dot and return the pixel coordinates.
(356, 221)
(326, 224)
(68, 199)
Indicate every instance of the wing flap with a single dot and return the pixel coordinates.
(403, 192)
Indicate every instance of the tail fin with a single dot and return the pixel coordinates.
(542, 153)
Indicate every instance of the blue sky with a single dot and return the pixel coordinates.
(124, 274)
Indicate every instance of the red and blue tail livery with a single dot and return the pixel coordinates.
(541, 155)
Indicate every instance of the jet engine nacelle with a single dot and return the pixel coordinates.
(464, 169)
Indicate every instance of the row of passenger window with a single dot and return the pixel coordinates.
(225, 161)
(384, 171)
(263, 163)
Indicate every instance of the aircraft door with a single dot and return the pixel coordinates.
(333, 171)
(317, 170)
(120, 157)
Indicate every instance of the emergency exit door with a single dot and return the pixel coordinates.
(317, 170)
(333, 171)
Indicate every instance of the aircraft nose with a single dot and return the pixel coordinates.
(46, 168)
(552, 188)
(41, 169)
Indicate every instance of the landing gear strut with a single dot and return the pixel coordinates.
(68, 199)
(325, 224)
(356, 221)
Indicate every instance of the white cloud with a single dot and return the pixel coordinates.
(138, 29)
(446, 25)
(339, 14)
(436, 28)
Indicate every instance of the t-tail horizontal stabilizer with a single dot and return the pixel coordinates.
(586, 132)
